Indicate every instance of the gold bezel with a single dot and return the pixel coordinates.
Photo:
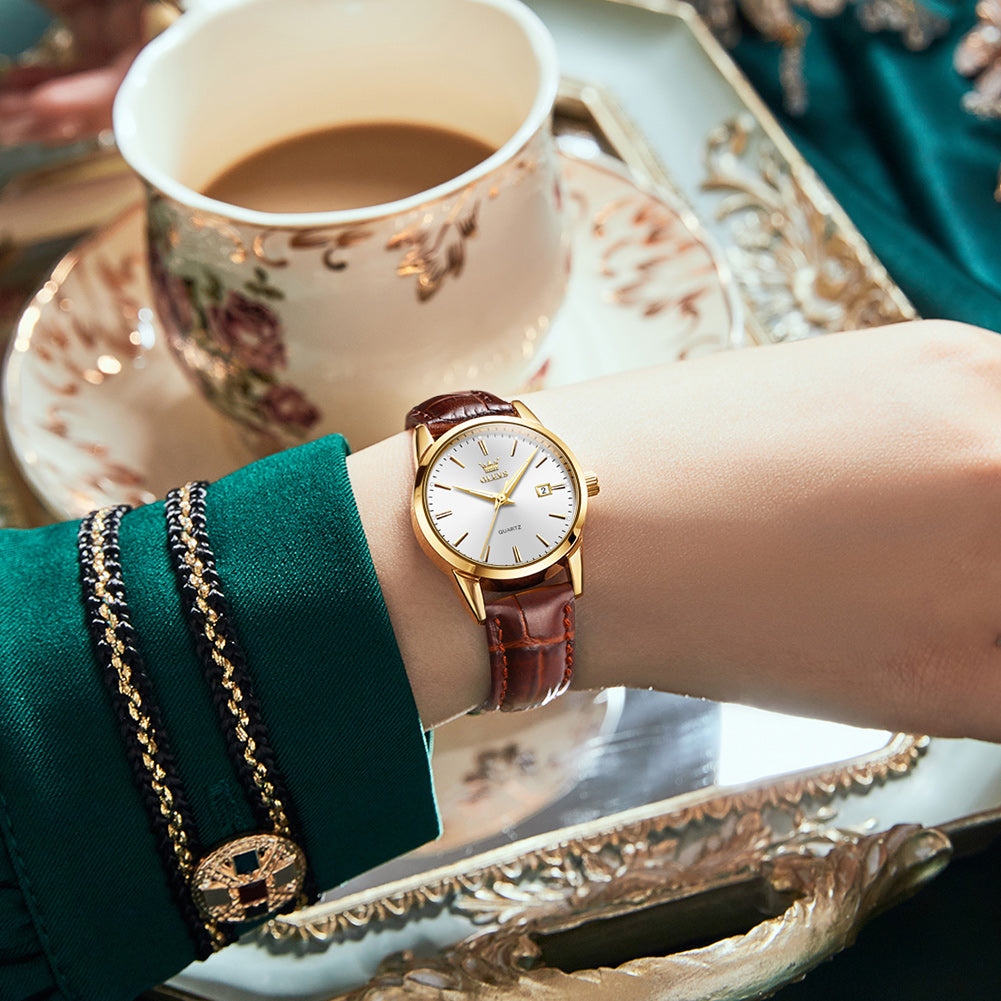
(448, 559)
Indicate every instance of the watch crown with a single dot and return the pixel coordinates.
(591, 481)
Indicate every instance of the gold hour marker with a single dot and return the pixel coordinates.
(483, 448)
(441, 486)
(542, 540)
(517, 555)
(456, 461)
(562, 517)
(441, 514)
(485, 555)
(545, 458)
(513, 447)
(559, 486)
(461, 537)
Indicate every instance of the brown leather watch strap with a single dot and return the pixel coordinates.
(530, 637)
(530, 632)
(442, 413)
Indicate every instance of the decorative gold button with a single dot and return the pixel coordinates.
(249, 877)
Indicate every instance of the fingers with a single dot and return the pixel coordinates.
(64, 109)
(58, 105)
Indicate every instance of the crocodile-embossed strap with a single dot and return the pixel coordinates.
(442, 413)
(530, 637)
(530, 632)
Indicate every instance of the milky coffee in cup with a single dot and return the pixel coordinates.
(348, 167)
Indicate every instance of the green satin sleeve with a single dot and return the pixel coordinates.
(886, 131)
(85, 912)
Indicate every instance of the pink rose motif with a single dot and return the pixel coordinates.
(286, 405)
(172, 301)
(250, 331)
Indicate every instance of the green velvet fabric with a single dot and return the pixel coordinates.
(886, 132)
(84, 906)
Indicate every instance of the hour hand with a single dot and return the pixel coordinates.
(486, 495)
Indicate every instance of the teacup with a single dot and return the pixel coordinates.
(297, 324)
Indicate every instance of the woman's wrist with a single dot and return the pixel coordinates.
(783, 526)
(627, 547)
(442, 647)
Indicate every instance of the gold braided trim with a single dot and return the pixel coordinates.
(145, 731)
(144, 727)
(234, 700)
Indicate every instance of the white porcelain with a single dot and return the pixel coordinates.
(296, 324)
(97, 412)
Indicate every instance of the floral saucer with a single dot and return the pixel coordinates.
(97, 412)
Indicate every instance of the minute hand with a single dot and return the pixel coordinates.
(509, 489)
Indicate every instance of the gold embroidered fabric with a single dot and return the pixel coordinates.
(777, 21)
(978, 55)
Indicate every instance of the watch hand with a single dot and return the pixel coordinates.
(509, 489)
(495, 497)
(498, 504)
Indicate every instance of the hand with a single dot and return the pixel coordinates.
(485, 551)
(495, 497)
(59, 105)
(814, 527)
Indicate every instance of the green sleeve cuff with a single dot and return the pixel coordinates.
(307, 608)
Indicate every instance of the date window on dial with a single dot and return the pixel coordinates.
(543, 490)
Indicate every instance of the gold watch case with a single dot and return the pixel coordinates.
(468, 574)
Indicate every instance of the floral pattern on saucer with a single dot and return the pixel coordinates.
(98, 413)
(646, 285)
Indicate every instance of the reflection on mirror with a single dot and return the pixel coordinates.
(505, 778)
(508, 781)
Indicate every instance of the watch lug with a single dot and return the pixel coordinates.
(524, 413)
(575, 570)
(422, 441)
(472, 593)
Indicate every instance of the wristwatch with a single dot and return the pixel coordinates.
(499, 502)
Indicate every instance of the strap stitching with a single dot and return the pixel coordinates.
(568, 640)
(503, 653)
(421, 412)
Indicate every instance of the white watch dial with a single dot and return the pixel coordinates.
(502, 495)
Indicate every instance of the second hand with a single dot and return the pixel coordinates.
(490, 531)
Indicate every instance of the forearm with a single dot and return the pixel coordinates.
(809, 527)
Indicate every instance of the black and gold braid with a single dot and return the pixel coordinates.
(149, 754)
(209, 619)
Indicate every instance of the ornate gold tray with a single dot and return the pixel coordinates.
(697, 125)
